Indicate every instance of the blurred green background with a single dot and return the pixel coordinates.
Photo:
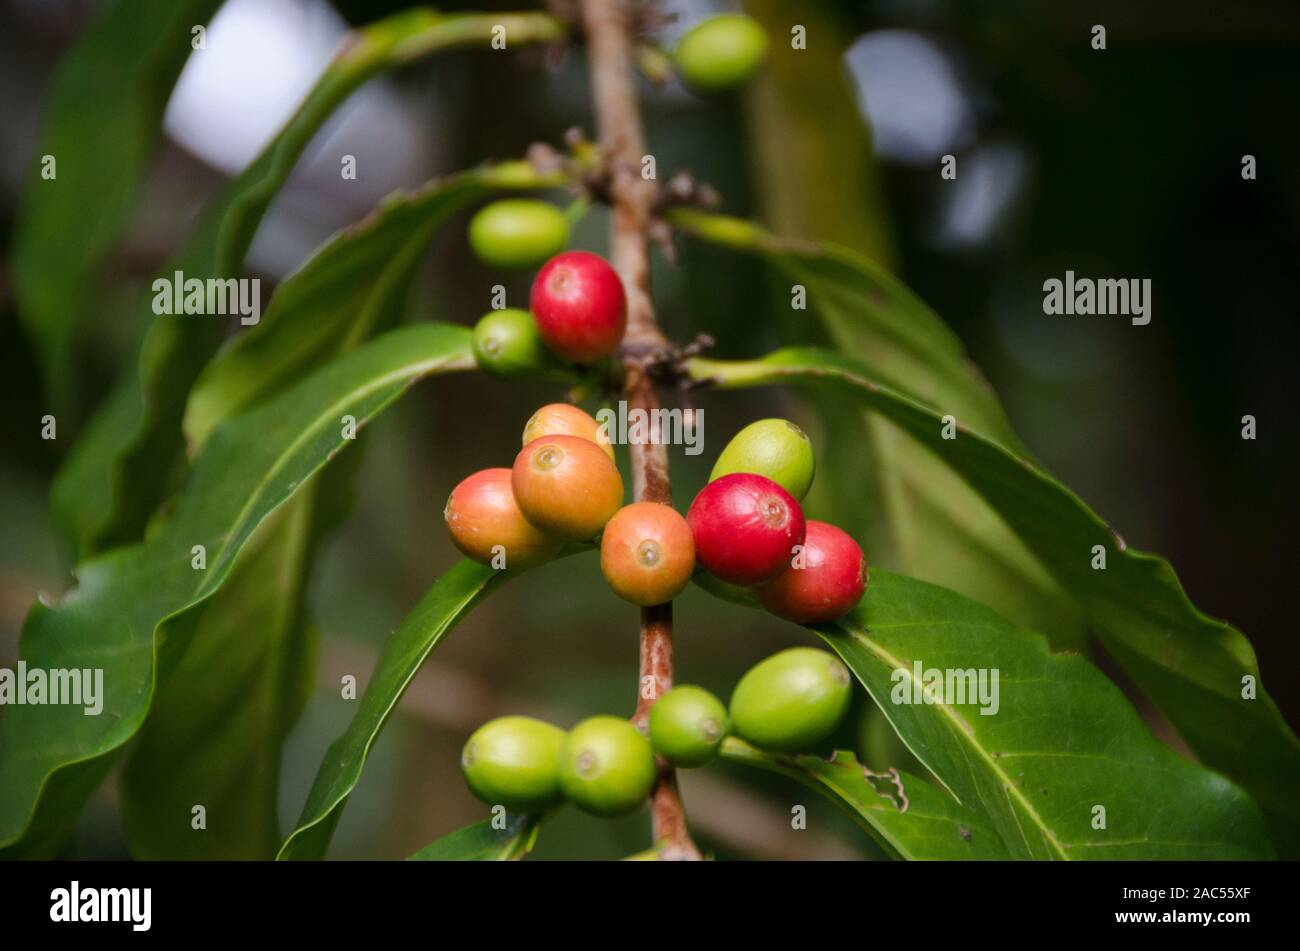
(1123, 162)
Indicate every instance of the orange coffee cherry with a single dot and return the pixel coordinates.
(565, 419)
(566, 486)
(647, 553)
(487, 525)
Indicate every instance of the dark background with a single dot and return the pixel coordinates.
(1118, 163)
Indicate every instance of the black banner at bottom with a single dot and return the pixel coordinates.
(343, 899)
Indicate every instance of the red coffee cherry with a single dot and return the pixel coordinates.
(831, 579)
(745, 528)
(566, 486)
(647, 553)
(580, 306)
(481, 514)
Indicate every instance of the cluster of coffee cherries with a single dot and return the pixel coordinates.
(564, 487)
(745, 527)
(577, 308)
(789, 702)
(749, 529)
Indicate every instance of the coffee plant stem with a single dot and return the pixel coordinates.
(610, 53)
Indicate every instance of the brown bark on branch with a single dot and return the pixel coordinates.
(609, 26)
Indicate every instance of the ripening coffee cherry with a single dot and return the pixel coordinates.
(566, 486)
(607, 767)
(825, 581)
(745, 528)
(791, 701)
(687, 725)
(775, 448)
(485, 522)
(506, 343)
(518, 233)
(647, 553)
(514, 762)
(565, 419)
(721, 53)
(580, 306)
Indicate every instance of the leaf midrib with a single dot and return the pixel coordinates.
(965, 729)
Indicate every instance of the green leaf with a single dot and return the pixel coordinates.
(131, 601)
(916, 515)
(216, 728)
(223, 706)
(1192, 666)
(1062, 739)
(910, 818)
(356, 281)
(211, 721)
(482, 843)
(117, 472)
(103, 117)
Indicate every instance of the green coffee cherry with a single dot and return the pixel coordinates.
(792, 701)
(518, 233)
(687, 725)
(514, 762)
(721, 53)
(607, 767)
(775, 448)
(506, 343)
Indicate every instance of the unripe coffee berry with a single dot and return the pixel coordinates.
(647, 553)
(487, 525)
(506, 343)
(825, 581)
(745, 528)
(721, 53)
(687, 725)
(515, 762)
(566, 486)
(607, 767)
(565, 419)
(791, 701)
(775, 448)
(580, 306)
(518, 233)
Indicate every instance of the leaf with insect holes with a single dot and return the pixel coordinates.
(1190, 665)
(481, 842)
(1059, 749)
(131, 602)
(104, 114)
(907, 816)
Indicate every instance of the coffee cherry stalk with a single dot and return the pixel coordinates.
(586, 316)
